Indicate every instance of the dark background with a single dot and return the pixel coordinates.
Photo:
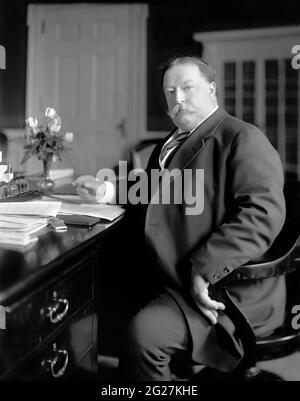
(171, 25)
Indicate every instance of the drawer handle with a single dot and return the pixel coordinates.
(52, 310)
(56, 373)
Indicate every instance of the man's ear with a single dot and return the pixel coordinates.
(212, 88)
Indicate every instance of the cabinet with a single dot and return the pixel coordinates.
(48, 293)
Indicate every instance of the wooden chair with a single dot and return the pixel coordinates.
(282, 258)
(141, 152)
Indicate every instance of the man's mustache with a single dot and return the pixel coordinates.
(180, 107)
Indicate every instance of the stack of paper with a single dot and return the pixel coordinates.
(19, 220)
(17, 241)
(21, 224)
(16, 231)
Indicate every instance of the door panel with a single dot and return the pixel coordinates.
(86, 67)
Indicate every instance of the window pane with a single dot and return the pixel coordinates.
(230, 87)
(291, 113)
(271, 91)
(248, 71)
(230, 71)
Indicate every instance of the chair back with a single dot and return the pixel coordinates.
(140, 154)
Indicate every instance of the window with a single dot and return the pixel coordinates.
(258, 84)
(239, 89)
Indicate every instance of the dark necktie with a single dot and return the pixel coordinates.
(177, 140)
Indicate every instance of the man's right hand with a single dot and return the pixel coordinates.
(200, 294)
(89, 188)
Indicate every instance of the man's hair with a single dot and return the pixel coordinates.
(205, 69)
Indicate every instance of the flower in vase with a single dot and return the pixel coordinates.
(46, 142)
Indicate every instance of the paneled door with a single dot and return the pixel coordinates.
(88, 62)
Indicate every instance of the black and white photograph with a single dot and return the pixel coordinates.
(149, 195)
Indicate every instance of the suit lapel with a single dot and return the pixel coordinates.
(189, 149)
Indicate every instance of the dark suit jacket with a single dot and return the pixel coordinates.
(244, 210)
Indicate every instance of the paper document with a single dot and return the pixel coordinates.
(21, 225)
(15, 230)
(37, 207)
(16, 240)
(103, 211)
(64, 198)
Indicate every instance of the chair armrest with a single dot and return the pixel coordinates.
(268, 266)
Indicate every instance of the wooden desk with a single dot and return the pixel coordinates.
(48, 292)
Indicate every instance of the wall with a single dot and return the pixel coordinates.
(170, 28)
(13, 36)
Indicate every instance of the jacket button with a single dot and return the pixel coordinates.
(227, 270)
(216, 276)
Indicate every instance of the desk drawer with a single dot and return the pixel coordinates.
(28, 324)
(61, 353)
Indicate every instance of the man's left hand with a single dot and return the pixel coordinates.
(89, 188)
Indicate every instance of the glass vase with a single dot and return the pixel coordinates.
(45, 182)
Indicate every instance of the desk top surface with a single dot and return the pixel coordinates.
(22, 270)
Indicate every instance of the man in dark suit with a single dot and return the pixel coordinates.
(242, 213)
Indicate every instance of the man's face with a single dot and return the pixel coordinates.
(189, 95)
